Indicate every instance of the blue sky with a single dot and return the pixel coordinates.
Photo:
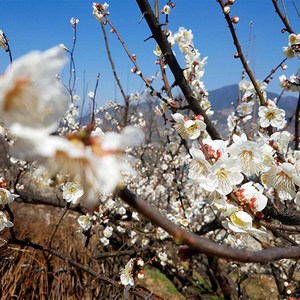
(41, 24)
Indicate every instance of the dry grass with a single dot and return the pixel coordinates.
(27, 273)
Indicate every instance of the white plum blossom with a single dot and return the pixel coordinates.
(6, 196)
(241, 222)
(281, 140)
(85, 222)
(282, 178)
(248, 154)
(108, 231)
(225, 175)
(194, 69)
(126, 274)
(4, 222)
(251, 194)
(30, 94)
(271, 115)
(188, 128)
(199, 166)
(72, 192)
(245, 108)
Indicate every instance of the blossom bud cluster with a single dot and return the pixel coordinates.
(293, 83)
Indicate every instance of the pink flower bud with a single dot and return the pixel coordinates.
(226, 10)
(235, 19)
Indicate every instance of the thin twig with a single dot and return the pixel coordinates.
(118, 81)
(283, 18)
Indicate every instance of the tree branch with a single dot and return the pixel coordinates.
(164, 45)
(202, 245)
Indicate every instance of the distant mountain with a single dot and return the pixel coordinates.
(227, 97)
(224, 100)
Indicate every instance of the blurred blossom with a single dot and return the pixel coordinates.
(3, 41)
(6, 196)
(29, 93)
(4, 222)
(76, 98)
(91, 95)
(74, 21)
(96, 165)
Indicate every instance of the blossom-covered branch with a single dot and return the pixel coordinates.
(205, 246)
(177, 71)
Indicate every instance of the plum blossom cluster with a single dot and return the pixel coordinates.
(220, 168)
(32, 104)
(293, 83)
(189, 128)
(194, 69)
(293, 47)
(100, 10)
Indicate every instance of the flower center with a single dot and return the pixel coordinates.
(270, 115)
(222, 174)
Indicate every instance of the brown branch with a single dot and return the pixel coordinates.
(172, 62)
(202, 245)
(283, 18)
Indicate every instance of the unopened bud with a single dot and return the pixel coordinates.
(236, 55)
(230, 2)
(284, 67)
(235, 19)
(133, 56)
(166, 10)
(226, 10)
